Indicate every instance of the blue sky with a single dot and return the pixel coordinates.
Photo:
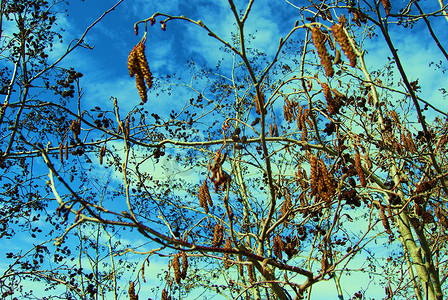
(167, 51)
(105, 67)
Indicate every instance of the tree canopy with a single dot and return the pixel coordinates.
(273, 161)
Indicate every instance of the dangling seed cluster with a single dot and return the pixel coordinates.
(387, 6)
(362, 177)
(319, 43)
(178, 274)
(326, 187)
(333, 104)
(176, 268)
(342, 39)
(218, 235)
(408, 142)
(384, 219)
(102, 153)
(138, 66)
(273, 130)
(165, 295)
(313, 175)
(204, 196)
(226, 256)
(131, 292)
(184, 265)
(287, 204)
(76, 128)
(291, 110)
(258, 102)
(278, 246)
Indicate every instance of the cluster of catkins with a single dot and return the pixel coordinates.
(138, 66)
(319, 42)
(131, 292)
(278, 246)
(218, 235)
(178, 273)
(322, 183)
(333, 103)
(63, 149)
(359, 170)
(204, 197)
(342, 39)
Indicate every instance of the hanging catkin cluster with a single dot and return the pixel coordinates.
(313, 175)
(278, 246)
(76, 128)
(176, 268)
(178, 273)
(342, 39)
(131, 292)
(61, 155)
(319, 43)
(204, 196)
(138, 66)
(218, 235)
(408, 142)
(250, 273)
(303, 120)
(384, 219)
(287, 204)
(226, 256)
(291, 109)
(273, 130)
(102, 153)
(165, 295)
(259, 103)
(322, 182)
(359, 170)
(387, 6)
(333, 104)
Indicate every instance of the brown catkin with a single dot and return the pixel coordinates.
(102, 153)
(204, 196)
(164, 295)
(176, 267)
(299, 116)
(61, 155)
(331, 104)
(207, 193)
(138, 66)
(395, 117)
(275, 130)
(227, 246)
(313, 175)
(387, 6)
(342, 39)
(384, 219)
(132, 62)
(361, 175)
(259, 102)
(66, 150)
(250, 273)
(411, 142)
(131, 292)
(184, 265)
(278, 246)
(218, 235)
(319, 43)
(327, 180)
(143, 63)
